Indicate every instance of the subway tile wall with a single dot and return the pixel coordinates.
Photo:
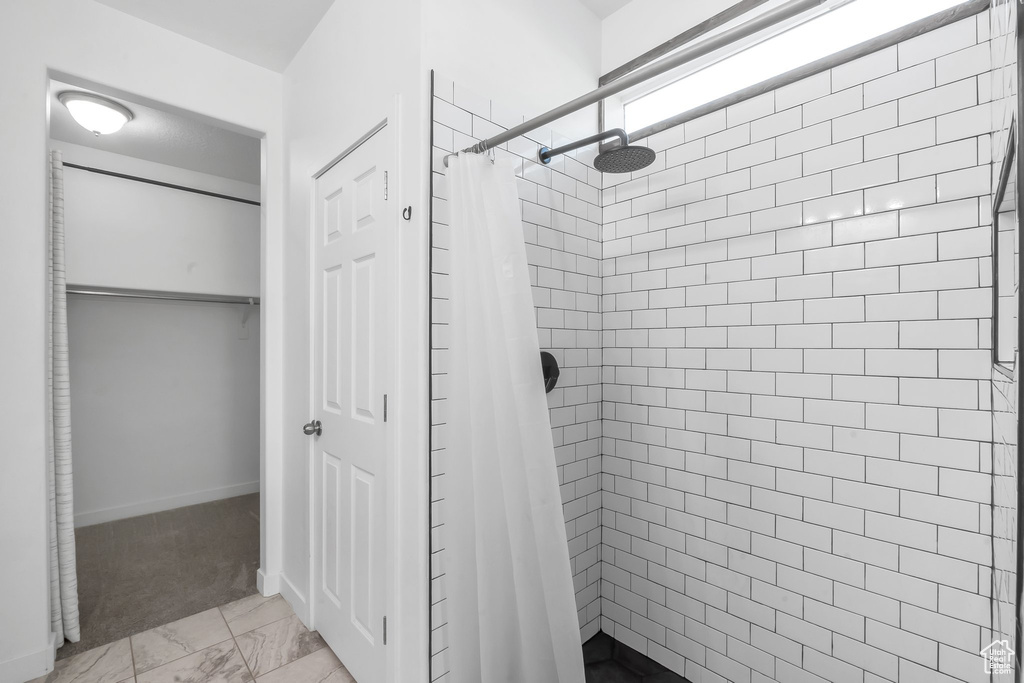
(561, 225)
(1006, 377)
(797, 402)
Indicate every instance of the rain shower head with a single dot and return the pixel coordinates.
(623, 158)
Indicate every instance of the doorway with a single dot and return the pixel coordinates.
(163, 248)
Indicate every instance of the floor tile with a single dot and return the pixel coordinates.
(320, 667)
(105, 664)
(610, 672)
(255, 611)
(172, 641)
(274, 645)
(220, 663)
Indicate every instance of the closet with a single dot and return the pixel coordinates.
(162, 232)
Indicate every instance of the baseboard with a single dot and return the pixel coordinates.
(296, 599)
(268, 584)
(29, 667)
(160, 504)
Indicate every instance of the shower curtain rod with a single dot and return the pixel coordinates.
(163, 296)
(684, 55)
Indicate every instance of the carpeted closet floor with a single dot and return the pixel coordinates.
(138, 573)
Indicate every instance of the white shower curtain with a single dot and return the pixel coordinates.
(511, 605)
(63, 575)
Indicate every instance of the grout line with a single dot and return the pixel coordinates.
(235, 643)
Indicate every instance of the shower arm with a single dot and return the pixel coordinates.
(685, 54)
(545, 154)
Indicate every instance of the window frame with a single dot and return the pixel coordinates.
(966, 9)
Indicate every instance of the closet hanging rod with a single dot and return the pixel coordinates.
(160, 183)
(684, 55)
(165, 296)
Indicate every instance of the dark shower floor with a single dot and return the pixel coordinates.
(139, 573)
(609, 661)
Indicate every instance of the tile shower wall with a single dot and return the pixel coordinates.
(1005, 378)
(561, 215)
(797, 379)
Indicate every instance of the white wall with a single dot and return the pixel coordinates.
(128, 234)
(164, 404)
(110, 49)
(532, 55)
(797, 399)
(358, 68)
(644, 24)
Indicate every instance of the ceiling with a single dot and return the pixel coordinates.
(164, 138)
(604, 8)
(265, 32)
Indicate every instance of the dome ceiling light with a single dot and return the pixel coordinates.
(97, 114)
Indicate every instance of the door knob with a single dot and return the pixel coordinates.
(311, 428)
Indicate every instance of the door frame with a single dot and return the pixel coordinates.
(393, 554)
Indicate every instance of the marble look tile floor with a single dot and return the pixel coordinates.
(252, 639)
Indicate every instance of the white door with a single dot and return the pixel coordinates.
(350, 293)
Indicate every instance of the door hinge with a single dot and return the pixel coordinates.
(385, 185)
(385, 407)
(385, 630)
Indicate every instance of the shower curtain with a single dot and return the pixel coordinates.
(63, 575)
(511, 604)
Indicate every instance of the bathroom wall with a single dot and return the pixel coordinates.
(1005, 377)
(796, 419)
(560, 209)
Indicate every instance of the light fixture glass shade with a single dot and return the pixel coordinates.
(94, 113)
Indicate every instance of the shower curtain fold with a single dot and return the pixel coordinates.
(510, 596)
(63, 572)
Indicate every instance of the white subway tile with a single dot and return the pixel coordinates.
(866, 122)
(808, 187)
(913, 306)
(941, 41)
(850, 309)
(728, 139)
(938, 276)
(833, 106)
(834, 156)
(919, 249)
(776, 171)
(965, 243)
(900, 84)
(863, 69)
(938, 159)
(804, 139)
(776, 124)
(865, 228)
(751, 109)
(968, 182)
(845, 257)
(938, 218)
(898, 140)
(964, 123)
(938, 101)
(804, 90)
(871, 281)
(971, 61)
(859, 176)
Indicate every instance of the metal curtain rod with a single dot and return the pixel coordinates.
(684, 55)
(160, 183)
(164, 296)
